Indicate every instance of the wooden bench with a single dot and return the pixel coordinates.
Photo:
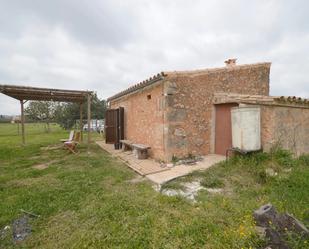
(140, 150)
(127, 144)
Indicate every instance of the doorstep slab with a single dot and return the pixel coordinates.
(182, 170)
(141, 166)
(153, 170)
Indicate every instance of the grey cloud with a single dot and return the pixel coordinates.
(106, 45)
(92, 22)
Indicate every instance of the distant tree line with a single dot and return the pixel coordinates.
(65, 114)
(5, 118)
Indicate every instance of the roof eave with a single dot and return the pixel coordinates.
(138, 86)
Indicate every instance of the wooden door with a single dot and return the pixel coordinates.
(120, 127)
(114, 126)
(121, 123)
(110, 126)
(223, 129)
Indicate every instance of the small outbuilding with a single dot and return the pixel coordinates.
(283, 121)
(182, 113)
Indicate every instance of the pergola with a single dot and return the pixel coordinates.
(25, 93)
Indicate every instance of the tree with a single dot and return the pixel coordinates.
(42, 111)
(67, 113)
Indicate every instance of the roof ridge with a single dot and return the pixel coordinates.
(215, 69)
(163, 74)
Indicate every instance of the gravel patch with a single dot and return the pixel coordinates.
(190, 190)
(21, 229)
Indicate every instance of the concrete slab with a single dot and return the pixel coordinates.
(182, 170)
(143, 167)
(153, 170)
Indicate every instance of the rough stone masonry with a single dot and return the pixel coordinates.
(173, 112)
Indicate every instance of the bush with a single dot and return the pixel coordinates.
(262, 177)
(304, 159)
(175, 159)
(283, 157)
(212, 181)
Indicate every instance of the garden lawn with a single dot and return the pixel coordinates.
(90, 201)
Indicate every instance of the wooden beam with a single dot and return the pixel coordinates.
(22, 120)
(81, 121)
(27, 88)
(88, 121)
(48, 94)
(44, 97)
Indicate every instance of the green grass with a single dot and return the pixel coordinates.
(212, 181)
(87, 201)
(248, 187)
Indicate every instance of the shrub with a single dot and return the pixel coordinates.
(175, 159)
(283, 157)
(212, 181)
(304, 159)
(262, 177)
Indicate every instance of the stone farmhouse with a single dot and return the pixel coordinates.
(183, 113)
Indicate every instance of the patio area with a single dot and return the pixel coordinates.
(153, 170)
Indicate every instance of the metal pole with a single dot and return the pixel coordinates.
(22, 120)
(89, 117)
(81, 121)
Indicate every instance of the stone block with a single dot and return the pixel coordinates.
(180, 132)
(177, 115)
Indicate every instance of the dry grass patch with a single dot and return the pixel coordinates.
(52, 147)
(44, 165)
(40, 166)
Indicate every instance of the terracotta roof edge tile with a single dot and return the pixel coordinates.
(140, 85)
(229, 97)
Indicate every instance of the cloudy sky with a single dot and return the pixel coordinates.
(107, 45)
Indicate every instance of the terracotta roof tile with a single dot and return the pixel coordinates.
(142, 84)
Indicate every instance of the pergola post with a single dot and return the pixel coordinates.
(22, 120)
(88, 121)
(81, 121)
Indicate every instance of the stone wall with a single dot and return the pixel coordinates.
(286, 127)
(177, 119)
(189, 104)
(143, 118)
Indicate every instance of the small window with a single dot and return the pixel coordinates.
(149, 96)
